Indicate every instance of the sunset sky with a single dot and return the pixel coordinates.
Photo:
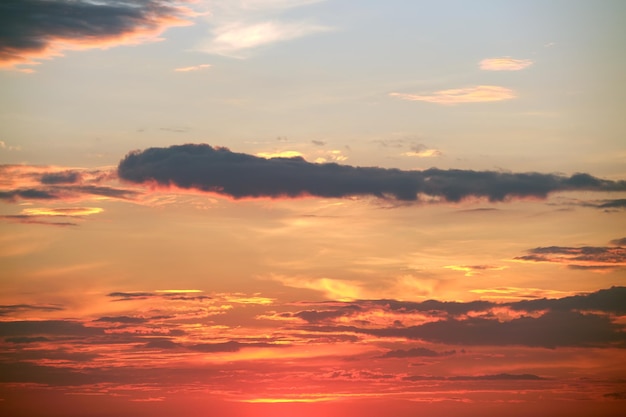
(332, 208)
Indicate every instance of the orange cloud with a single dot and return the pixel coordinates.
(477, 94)
(279, 154)
(505, 64)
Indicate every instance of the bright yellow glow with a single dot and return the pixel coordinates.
(69, 211)
(281, 154)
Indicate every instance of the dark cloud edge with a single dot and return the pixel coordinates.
(239, 175)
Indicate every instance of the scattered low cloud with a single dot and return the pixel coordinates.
(580, 257)
(505, 64)
(41, 29)
(219, 170)
(477, 94)
(193, 68)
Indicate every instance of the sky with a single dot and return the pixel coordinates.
(317, 208)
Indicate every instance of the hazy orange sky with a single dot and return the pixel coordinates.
(315, 208)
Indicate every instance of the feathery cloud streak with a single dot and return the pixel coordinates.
(238, 175)
(477, 94)
(40, 29)
(505, 64)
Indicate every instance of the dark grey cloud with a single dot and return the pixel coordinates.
(581, 320)
(142, 295)
(612, 300)
(47, 328)
(619, 242)
(29, 28)
(416, 352)
(16, 308)
(27, 194)
(238, 175)
(65, 177)
(122, 320)
(26, 339)
(494, 377)
(609, 204)
(551, 330)
(588, 257)
(318, 142)
(28, 219)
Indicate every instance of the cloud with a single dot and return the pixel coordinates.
(17, 308)
(579, 256)
(477, 94)
(238, 175)
(550, 330)
(494, 377)
(42, 183)
(239, 27)
(609, 204)
(471, 270)
(230, 39)
(416, 352)
(40, 29)
(193, 68)
(167, 295)
(505, 64)
(422, 151)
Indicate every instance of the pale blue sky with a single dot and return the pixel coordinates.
(331, 82)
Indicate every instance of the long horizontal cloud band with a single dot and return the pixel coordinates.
(217, 169)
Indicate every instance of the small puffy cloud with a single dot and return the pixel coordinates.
(477, 94)
(505, 64)
(193, 68)
(422, 151)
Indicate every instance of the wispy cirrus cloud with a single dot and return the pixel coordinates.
(41, 29)
(477, 94)
(505, 64)
(241, 26)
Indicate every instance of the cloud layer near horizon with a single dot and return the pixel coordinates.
(238, 175)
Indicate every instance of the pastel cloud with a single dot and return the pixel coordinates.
(505, 64)
(230, 39)
(219, 170)
(477, 94)
(193, 68)
(41, 29)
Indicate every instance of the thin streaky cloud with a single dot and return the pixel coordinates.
(477, 94)
(505, 64)
(193, 68)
